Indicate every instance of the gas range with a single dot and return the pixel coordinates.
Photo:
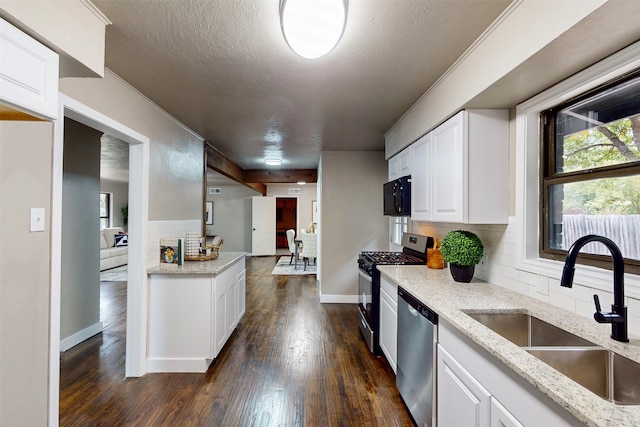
(414, 252)
(367, 260)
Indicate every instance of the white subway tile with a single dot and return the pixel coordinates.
(563, 301)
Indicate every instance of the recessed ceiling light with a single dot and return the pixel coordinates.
(312, 28)
(273, 162)
(301, 183)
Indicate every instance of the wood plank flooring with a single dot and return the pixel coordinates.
(291, 362)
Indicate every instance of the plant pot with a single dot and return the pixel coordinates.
(462, 273)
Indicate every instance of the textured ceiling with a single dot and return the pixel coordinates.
(224, 69)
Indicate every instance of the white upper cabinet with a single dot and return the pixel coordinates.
(421, 179)
(28, 74)
(400, 164)
(466, 170)
(448, 170)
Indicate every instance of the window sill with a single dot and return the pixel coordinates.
(586, 275)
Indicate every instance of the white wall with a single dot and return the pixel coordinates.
(80, 284)
(351, 218)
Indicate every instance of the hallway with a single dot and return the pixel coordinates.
(291, 362)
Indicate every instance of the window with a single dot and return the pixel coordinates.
(105, 210)
(399, 225)
(591, 173)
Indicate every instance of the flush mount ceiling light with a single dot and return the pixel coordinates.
(312, 28)
(273, 162)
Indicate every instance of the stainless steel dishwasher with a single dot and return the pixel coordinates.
(417, 339)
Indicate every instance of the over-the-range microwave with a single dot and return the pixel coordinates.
(397, 197)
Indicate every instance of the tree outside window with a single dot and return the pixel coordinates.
(591, 171)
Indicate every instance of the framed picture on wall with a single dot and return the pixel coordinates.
(314, 212)
(208, 217)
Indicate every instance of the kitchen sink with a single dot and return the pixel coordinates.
(525, 330)
(605, 373)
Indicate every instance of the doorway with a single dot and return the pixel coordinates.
(286, 218)
(136, 339)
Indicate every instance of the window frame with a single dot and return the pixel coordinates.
(549, 177)
(528, 169)
(109, 216)
(403, 222)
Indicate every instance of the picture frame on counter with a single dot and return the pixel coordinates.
(209, 214)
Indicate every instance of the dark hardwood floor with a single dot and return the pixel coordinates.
(291, 362)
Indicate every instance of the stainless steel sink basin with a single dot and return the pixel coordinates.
(525, 330)
(605, 373)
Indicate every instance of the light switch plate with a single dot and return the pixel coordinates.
(36, 222)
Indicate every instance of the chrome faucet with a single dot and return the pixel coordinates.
(618, 315)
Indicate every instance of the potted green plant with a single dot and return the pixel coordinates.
(462, 250)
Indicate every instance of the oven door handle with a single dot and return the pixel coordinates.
(365, 276)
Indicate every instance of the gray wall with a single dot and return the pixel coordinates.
(231, 214)
(232, 209)
(80, 284)
(176, 166)
(351, 218)
(25, 182)
(120, 194)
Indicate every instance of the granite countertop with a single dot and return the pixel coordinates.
(448, 298)
(211, 268)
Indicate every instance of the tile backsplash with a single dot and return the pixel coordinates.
(500, 257)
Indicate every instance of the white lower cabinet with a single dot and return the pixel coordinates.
(389, 320)
(462, 401)
(476, 389)
(192, 316)
(241, 290)
(500, 417)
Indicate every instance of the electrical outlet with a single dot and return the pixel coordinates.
(484, 262)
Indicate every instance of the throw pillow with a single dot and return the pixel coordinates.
(121, 239)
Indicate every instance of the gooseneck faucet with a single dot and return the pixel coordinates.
(618, 315)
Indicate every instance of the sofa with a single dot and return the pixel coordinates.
(113, 248)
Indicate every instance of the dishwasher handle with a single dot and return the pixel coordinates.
(416, 306)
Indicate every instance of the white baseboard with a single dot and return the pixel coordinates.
(78, 337)
(194, 365)
(338, 299)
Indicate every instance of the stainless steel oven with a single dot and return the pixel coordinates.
(365, 307)
(414, 251)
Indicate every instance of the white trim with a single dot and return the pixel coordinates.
(78, 337)
(126, 84)
(135, 363)
(528, 170)
(97, 12)
(181, 365)
(338, 299)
